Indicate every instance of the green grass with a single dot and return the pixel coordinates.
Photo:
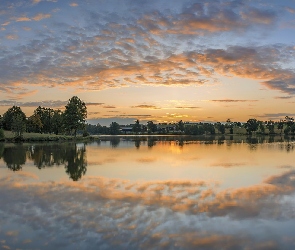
(43, 137)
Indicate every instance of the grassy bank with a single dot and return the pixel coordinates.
(10, 137)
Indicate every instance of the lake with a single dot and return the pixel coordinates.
(152, 192)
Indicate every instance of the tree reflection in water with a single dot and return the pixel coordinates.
(46, 155)
(115, 141)
(15, 157)
(75, 162)
(73, 157)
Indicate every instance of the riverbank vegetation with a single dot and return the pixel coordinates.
(47, 124)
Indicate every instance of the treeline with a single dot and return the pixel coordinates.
(73, 120)
(46, 120)
(286, 126)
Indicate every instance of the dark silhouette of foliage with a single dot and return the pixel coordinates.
(75, 115)
(75, 162)
(114, 128)
(136, 127)
(15, 157)
(11, 114)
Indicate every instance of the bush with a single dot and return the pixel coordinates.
(2, 137)
(85, 133)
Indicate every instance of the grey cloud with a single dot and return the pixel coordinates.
(49, 103)
(146, 106)
(187, 107)
(233, 100)
(277, 115)
(108, 47)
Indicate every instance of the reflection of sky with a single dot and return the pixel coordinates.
(199, 196)
(111, 213)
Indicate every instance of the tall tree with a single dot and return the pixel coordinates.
(57, 121)
(136, 127)
(34, 123)
(45, 115)
(10, 114)
(75, 115)
(180, 126)
(114, 128)
(18, 125)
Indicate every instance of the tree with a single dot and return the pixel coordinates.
(281, 125)
(10, 114)
(261, 127)
(180, 126)
(151, 126)
(271, 126)
(289, 121)
(1, 121)
(75, 115)
(136, 127)
(18, 125)
(220, 127)
(34, 123)
(114, 128)
(45, 115)
(57, 121)
(251, 125)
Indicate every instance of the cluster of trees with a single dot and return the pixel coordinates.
(286, 125)
(251, 126)
(73, 119)
(46, 120)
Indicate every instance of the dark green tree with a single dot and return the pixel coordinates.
(114, 128)
(251, 125)
(289, 121)
(1, 121)
(281, 125)
(10, 114)
(57, 121)
(261, 127)
(151, 127)
(34, 123)
(271, 126)
(18, 125)
(136, 127)
(220, 127)
(180, 126)
(45, 115)
(75, 115)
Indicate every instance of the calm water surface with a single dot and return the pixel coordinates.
(149, 193)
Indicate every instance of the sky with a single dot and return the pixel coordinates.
(156, 60)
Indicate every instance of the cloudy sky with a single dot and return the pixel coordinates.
(150, 60)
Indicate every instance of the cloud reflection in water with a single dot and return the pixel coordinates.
(104, 213)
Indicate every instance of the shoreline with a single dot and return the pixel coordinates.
(29, 137)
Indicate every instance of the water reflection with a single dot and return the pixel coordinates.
(47, 155)
(15, 157)
(75, 162)
(102, 213)
(149, 193)
(73, 157)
